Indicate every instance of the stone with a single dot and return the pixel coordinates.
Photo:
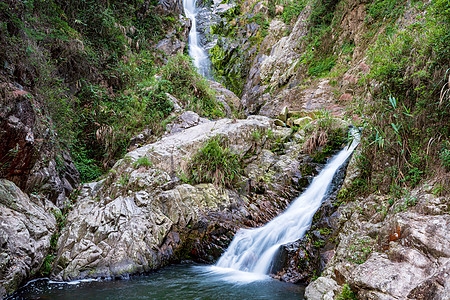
(323, 288)
(25, 232)
(301, 122)
(279, 123)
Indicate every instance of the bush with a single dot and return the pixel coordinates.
(409, 111)
(292, 10)
(190, 87)
(215, 163)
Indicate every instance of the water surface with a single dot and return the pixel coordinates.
(174, 282)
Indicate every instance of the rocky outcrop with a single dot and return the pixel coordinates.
(390, 249)
(141, 216)
(28, 156)
(26, 227)
(175, 41)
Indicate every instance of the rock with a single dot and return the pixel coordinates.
(172, 6)
(139, 217)
(186, 120)
(393, 250)
(279, 123)
(140, 139)
(26, 228)
(28, 156)
(230, 101)
(177, 104)
(170, 46)
(284, 114)
(323, 288)
(301, 122)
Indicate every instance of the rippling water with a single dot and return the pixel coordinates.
(173, 282)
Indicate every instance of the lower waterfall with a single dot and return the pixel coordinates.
(253, 250)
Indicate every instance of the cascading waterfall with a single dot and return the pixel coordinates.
(253, 250)
(201, 60)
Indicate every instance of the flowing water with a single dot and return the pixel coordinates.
(196, 51)
(253, 250)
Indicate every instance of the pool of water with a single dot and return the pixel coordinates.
(185, 281)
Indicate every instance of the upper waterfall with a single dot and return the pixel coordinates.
(196, 51)
(253, 250)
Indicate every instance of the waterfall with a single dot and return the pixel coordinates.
(201, 60)
(253, 250)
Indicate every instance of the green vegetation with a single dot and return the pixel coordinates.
(214, 163)
(61, 220)
(347, 293)
(142, 162)
(408, 116)
(292, 10)
(323, 137)
(359, 250)
(91, 66)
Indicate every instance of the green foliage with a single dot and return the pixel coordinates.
(215, 163)
(191, 88)
(347, 293)
(124, 180)
(292, 10)
(444, 156)
(142, 162)
(409, 109)
(229, 64)
(322, 66)
(385, 9)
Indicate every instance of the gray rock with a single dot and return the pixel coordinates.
(323, 288)
(26, 228)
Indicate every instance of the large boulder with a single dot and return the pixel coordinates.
(26, 228)
(392, 249)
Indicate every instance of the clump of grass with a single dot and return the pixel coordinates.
(347, 293)
(215, 163)
(142, 162)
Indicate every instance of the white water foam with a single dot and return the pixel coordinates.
(201, 60)
(253, 250)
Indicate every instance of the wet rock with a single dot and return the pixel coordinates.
(26, 228)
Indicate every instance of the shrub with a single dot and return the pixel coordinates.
(188, 86)
(408, 112)
(347, 293)
(292, 10)
(215, 163)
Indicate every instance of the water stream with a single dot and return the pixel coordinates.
(196, 51)
(254, 250)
